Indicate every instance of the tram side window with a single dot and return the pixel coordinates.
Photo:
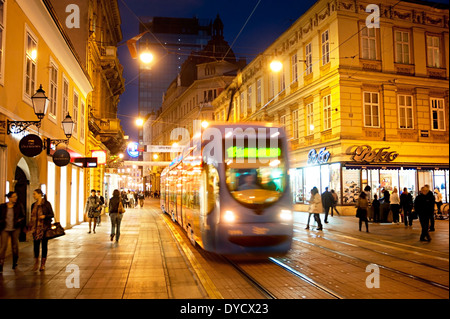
(212, 182)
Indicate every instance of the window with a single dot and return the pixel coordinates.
(30, 65)
(258, 91)
(437, 114)
(295, 124)
(2, 36)
(53, 90)
(327, 112)
(402, 45)
(369, 43)
(65, 99)
(308, 58)
(371, 110)
(294, 63)
(242, 104)
(249, 100)
(82, 124)
(325, 48)
(75, 113)
(282, 80)
(310, 119)
(405, 111)
(433, 52)
(271, 85)
(283, 121)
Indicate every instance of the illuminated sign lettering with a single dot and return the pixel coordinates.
(365, 153)
(253, 152)
(132, 149)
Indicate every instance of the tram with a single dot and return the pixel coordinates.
(229, 189)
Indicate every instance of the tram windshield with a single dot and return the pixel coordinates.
(255, 175)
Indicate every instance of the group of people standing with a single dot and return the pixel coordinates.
(423, 207)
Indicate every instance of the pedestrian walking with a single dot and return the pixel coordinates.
(141, 199)
(12, 219)
(406, 204)
(115, 214)
(424, 206)
(438, 200)
(327, 203)
(92, 209)
(376, 208)
(395, 206)
(335, 202)
(40, 221)
(102, 204)
(362, 205)
(315, 207)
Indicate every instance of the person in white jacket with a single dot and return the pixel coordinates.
(315, 207)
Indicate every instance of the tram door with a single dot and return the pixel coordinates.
(179, 188)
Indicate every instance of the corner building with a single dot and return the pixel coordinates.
(363, 106)
(34, 51)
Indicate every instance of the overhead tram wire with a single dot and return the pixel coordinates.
(245, 24)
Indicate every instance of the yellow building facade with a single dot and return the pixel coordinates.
(35, 51)
(364, 104)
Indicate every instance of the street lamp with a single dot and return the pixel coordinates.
(40, 104)
(68, 125)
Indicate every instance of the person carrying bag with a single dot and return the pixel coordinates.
(116, 211)
(362, 205)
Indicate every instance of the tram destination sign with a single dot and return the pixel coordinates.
(253, 152)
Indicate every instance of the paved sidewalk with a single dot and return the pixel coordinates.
(146, 263)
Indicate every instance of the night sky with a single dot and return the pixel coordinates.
(270, 19)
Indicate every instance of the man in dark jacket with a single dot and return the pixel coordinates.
(327, 202)
(424, 206)
(12, 219)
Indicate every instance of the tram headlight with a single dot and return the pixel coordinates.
(229, 216)
(286, 215)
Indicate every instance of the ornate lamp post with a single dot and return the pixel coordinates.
(40, 104)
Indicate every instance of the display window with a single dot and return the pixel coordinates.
(311, 179)
(296, 177)
(407, 179)
(389, 179)
(441, 183)
(351, 184)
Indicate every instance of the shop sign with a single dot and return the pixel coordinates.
(31, 145)
(318, 158)
(132, 149)
(365, 153)
(61, 158)
(101, 156)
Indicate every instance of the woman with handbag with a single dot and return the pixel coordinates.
(12, 219)
(115, 214)
(362, 205)
(93, 209)
(40, 222)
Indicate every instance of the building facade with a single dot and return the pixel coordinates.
(34, 51)
(95, 37)
(188, 100)
(363, 105)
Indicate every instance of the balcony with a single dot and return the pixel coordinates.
(112, 69)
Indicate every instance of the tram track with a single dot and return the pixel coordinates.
(367, 262)
(383, 253)
(280, 265)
